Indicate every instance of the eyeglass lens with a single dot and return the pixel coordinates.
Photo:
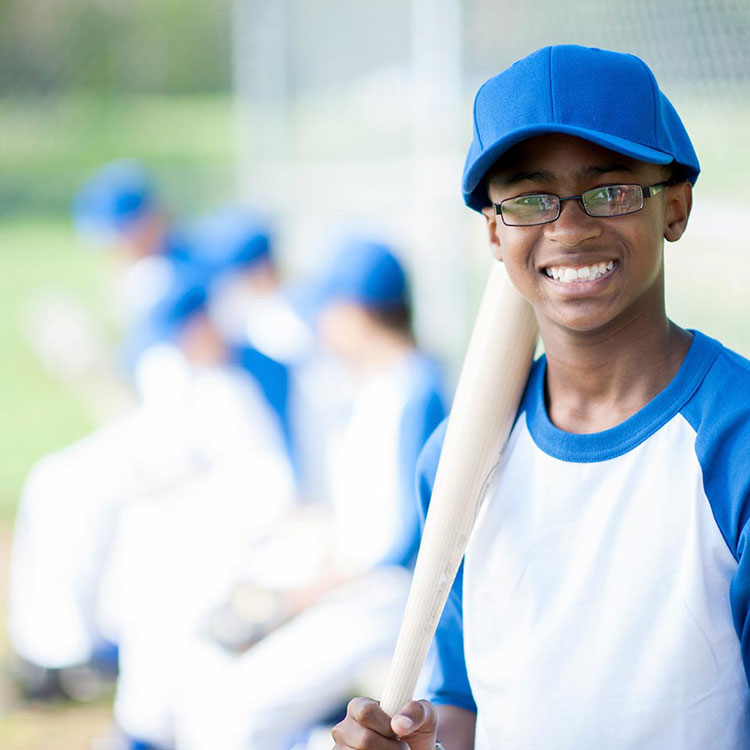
(530, 209)
(610, 200)
(613, 200)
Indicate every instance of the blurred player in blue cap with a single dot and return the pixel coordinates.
(308, 664)
(119, 208)
(229, 247)
(604, 599)
(208, 452)
(250, 299)
(205, 529)
(235, 245)
(74, 489)
(270, 332)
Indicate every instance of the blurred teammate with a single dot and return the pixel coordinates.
(119, 209)
(249, 308)
(116, 209)
(250, 303)
(179, 550)
(210, 425)
(261, 315)
(309, 664)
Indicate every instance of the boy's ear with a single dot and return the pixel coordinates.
(677, 210)
(491, 219)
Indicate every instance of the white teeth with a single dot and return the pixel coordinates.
(568, 274)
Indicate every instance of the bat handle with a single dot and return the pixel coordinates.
(401, 683)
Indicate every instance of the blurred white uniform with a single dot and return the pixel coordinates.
(271, 324)
(306, 668)
(214, 431)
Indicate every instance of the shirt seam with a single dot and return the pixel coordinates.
(705, 491)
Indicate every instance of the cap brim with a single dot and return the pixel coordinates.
(475, 195)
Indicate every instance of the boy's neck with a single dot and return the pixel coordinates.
(597, 380)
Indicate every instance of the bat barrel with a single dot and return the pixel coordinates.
(489, 391)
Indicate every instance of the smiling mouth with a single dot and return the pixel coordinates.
(577, 274)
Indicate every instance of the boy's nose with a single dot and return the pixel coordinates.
(573, 226)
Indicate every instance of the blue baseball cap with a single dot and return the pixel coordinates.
(231, 237)
(117, 194)
(173, 299)
(365, 272)
(609, 98)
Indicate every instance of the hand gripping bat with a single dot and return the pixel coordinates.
(489, 390)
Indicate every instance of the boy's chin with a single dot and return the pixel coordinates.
(578, 321)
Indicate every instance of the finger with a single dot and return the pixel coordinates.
(415, 718)
(349, 735)
(368, 713)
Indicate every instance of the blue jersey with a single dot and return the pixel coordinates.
(603, 599)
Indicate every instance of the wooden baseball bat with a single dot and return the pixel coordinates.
(492, 380)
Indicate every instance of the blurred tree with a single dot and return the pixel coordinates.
(114, 47)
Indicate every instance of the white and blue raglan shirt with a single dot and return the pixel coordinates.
(603, 599)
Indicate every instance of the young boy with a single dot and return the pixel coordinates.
(603, 601)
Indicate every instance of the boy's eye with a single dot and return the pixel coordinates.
(613, 200)
(529, 200)
(540, 201)
(529, 209)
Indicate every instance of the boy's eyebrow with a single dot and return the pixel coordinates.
(605, 169)
(532, 175)
(545, 176)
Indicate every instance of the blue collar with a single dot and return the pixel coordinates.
(601, 446)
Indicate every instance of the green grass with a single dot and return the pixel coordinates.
(39, 414)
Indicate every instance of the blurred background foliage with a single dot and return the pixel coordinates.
(57, 46)
(83, 81)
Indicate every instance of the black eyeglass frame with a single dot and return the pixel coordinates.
(646, 192)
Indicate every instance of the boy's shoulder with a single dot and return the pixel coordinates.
(732, 366)
(718, 411)
(724, 391)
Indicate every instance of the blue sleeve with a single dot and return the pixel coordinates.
(449, 685)
(719, 412)
(423, 413)
(274, 380)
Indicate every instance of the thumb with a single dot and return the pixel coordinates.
(416, 724)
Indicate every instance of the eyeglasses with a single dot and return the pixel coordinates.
(600, 202)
